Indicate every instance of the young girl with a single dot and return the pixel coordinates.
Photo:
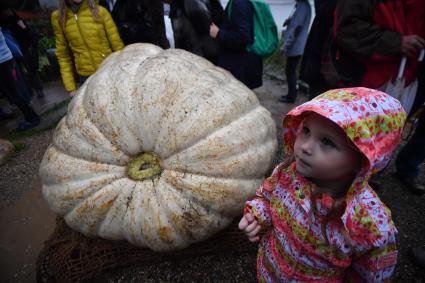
(321, 219)
(85, 35)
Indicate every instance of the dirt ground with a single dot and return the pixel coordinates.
(27, 222)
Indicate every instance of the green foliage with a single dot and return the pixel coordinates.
(46, 42)
(58, 106)
(19, 147)
(15, 136)
(277, 59)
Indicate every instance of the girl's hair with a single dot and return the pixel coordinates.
(339, 203)
(335, 213)
(64, 4)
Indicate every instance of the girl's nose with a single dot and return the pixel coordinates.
(307, 146)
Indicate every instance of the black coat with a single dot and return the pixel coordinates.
(234, 36)
(311, 63)
(139, 21)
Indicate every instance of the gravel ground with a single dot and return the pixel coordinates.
(18, 174)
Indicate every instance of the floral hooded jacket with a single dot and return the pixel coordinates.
(360, 245)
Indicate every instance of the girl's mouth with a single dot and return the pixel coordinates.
(303, 163)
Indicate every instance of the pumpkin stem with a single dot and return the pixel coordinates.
(144, 166)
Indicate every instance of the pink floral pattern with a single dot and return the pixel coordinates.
(361, 244)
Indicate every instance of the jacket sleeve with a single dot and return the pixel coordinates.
(373, 236)
(241, 33)
(157, 9)
(357, 33)
(198, 12)
(63, 54)
(259, 207)
(298, 19)
(111, 30)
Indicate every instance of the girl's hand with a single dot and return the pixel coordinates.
(213, 30)
(250, 227)
(72, 93)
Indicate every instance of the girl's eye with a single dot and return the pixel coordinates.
(305, 130)
(328, 143)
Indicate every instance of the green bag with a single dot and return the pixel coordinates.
(265, 30)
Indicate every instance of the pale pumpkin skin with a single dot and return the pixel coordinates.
(212, 139)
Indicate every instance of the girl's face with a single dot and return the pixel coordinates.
(324, 154)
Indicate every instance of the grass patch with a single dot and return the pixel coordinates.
(15, 135)
(19, 147)
(277, 59)
(57, 107)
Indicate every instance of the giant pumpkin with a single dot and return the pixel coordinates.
(159, 147)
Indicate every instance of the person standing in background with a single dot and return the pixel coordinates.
(412, 155)
(312, 58)
(139, 20)
(85, 35)
(28, 43)
(191, 21)
(378, 34)
(293, 45)
(10, 90)
(18, 56)
(234, 35)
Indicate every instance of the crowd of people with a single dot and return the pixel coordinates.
(363, 61)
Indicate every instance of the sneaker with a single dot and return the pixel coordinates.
(40, 93)
(6, 115)
(411, 183)
(418, 256)
(23, 126)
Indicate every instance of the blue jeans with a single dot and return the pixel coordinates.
(10, 90)
(413, 153)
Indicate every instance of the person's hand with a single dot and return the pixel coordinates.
(72, 93)
(213, 30)
(250, 227)
(21, 24)
(411, 44)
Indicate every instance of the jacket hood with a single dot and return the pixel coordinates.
(371, 119)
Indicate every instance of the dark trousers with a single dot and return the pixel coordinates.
(10, 90)
(291, 75)
(31, 64)
(413, 153)
(21, 84)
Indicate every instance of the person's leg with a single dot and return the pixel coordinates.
(5, 115)
(291, 77)
(31, 63)
(411, 156)
(418, 256)
(21, 84)
(82, 79)
(291, 74)
(7, 84)
(413, 153)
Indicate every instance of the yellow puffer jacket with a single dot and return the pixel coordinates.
(84, 42)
